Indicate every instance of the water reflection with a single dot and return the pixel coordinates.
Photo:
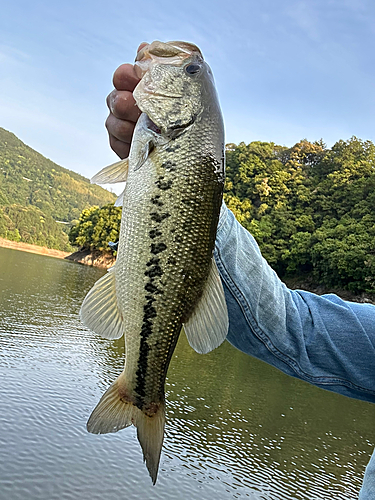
(236, 428)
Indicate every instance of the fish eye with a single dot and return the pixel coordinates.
(193, 69)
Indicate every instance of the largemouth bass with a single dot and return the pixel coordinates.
(165, 277)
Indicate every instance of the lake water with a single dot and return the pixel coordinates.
(236, 428)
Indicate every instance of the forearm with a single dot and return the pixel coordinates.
(323, 340)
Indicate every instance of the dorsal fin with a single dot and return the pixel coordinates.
(117, 172)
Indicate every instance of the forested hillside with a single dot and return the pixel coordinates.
(311, 209)
(35, 193)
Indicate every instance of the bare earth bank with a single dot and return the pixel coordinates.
(26, 247)
(304, 283)
(93, 258)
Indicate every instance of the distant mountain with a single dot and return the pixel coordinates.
(39, 200)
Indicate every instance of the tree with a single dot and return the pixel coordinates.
(96, 227)
(311, 209)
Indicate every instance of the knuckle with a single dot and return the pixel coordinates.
(108, 123)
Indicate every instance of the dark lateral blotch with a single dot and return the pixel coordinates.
(157, 217)
(153, 262)
(158, 247)
(154, 233)
(154, 271)
(156, 201)
(172, 149)
(164, 185)
(149, 310)
(151, 288)
(169, 165)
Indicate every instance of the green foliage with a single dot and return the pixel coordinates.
(96, 228)
(29, 180)
(311, 209)
(344, 253)
(30, 225)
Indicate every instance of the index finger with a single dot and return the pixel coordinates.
(124, 78)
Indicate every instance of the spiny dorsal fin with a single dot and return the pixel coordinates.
(117, 172)
(207, 327)
(99, 310)
(120, 200)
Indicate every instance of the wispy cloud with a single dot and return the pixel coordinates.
(305, 17)
(12, 55)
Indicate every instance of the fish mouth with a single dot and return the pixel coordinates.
(170, 52)
(159, 95)
(174, 53)
(168, 49)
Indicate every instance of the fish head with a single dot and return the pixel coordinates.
(176, 85)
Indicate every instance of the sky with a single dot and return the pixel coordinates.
(285, 70)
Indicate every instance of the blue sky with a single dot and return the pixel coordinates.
(285, 69)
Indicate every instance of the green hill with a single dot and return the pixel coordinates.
(35, 193)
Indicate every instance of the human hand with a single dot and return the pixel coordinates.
(123, 111)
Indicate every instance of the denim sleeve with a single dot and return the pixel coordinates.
(323, 340)
(368, 487)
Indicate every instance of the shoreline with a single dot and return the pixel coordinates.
(85, 257)
(106, 260)
(28, 247)
(93, 258)
(304, 283)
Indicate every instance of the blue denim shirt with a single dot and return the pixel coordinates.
(323, 340)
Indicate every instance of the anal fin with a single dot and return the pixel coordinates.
(111, 414)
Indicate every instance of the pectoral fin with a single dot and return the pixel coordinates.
(99, 310)
(143, 153)
(117, 172)
(207, 327)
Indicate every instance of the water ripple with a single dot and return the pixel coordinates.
(236, 428)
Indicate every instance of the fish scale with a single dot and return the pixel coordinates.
(174, 261)
(165, 277)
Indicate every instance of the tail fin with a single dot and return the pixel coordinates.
(150, 434)
(113, 413)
